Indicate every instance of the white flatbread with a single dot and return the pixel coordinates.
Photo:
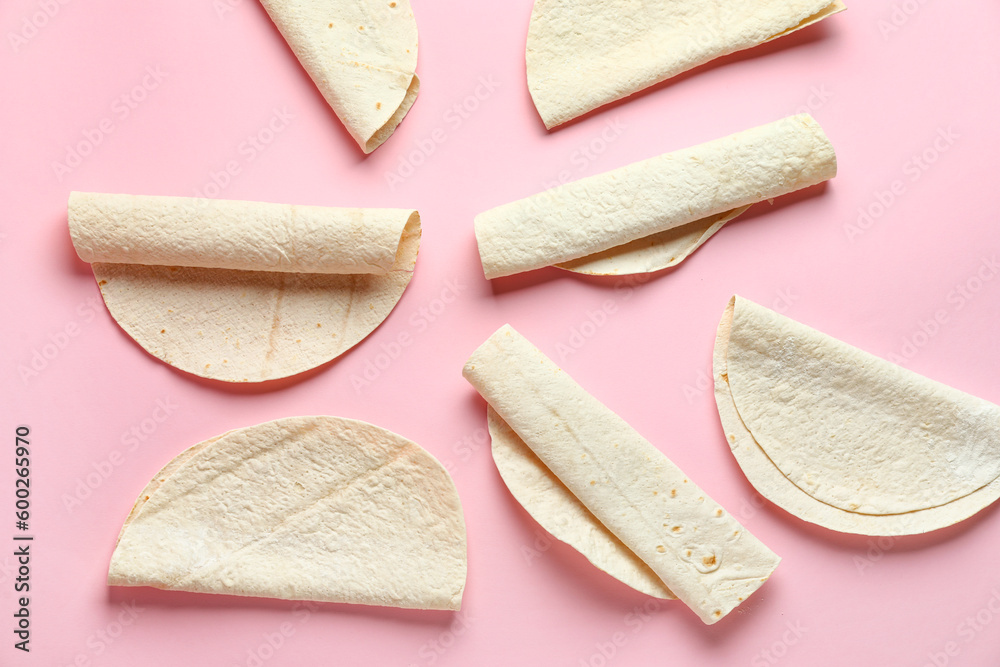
(583, 54)
(561, 513)
(844, 439)
(303, 508)
(652, 214)
(244, 291)
(699, 552)
(361, 54)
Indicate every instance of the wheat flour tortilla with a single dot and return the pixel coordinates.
(361, 54)
(583, 54)
(330, 277)
(699, 552)
(844, 439)
(562, 514)
(302, 508)
(652, 214)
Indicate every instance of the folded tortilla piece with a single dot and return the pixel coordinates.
(558, 511)
(583, 54)
(699, 552)
(652, 214)
(361, 54)
(244, 291)
(302, 508)
(844, 439)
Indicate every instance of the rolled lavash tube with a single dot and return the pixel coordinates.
(608, 210)
(241, 235)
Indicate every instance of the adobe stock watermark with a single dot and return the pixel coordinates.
(816, 99)
(466, 447)
(130, 441)
(785, 299)
(913, 170)
(99, 642)
(44, 353)
(34, 23)
(607, 650)
(778, 649)
(900, 14)
(595, 319)
(956, 299)
(581, 157)
(966, 631)
(272, 642)
(121, 108)
(247, 151)
(432, 649)
(223, 8)
(452, 119)
(420, 320)
(877, 549)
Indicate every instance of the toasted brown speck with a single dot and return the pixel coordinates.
(718, 512)
(660, 548)
(673, 493)
(102, 283)
(330, 26)
(378, 105)
(392, 4)
(163, 331)
(709, 560)
(676, 529)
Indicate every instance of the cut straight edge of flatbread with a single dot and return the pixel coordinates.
(580, 55)
(699, 552)
(241, 235)
(558, 511)
(652, 214)
(362, 56)
(344, 497)
(891, 399)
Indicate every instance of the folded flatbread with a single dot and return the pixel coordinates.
(583, 54)
(652, 214)
(847, 440)
(303, 508)
(645, 504)
(361, 54)
(244, 291)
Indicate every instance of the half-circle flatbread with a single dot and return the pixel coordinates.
(263, 291)
(361, 54)
(558, 511)
(583, 54)
(302, 508)
(652, 214)
(844, 439)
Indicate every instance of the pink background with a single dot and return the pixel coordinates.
(883, 97)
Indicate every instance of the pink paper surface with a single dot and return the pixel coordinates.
(906, 90)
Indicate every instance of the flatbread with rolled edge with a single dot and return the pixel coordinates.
(244, 291)
(843, 439)
(303, 508)
(699, 552)
(652, 214)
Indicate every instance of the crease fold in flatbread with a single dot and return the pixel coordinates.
(847, 440)
(302, 508)
(583, 54)
(361, 54)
